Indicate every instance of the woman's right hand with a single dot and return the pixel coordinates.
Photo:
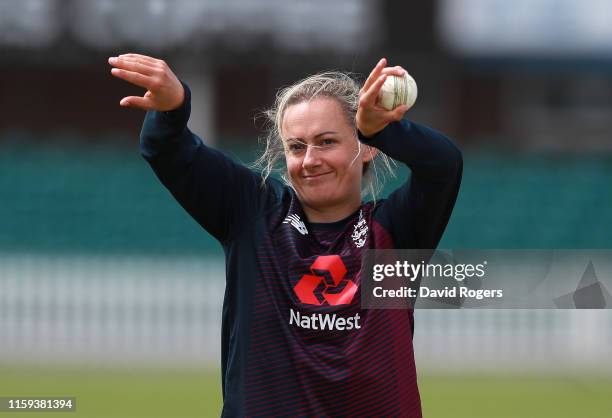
(371, 118)
(164, 90)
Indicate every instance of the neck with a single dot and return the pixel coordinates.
(330, 214)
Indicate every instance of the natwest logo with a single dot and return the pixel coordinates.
(326, 283)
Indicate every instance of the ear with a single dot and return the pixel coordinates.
(368, 153)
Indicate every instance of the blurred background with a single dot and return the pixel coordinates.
(109, 291)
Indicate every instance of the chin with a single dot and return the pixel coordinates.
(316, 198)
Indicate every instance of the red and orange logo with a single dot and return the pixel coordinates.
(326, 284)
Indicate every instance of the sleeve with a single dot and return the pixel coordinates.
(417, 212)
(220, 194)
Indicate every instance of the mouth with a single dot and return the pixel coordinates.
(316, 176)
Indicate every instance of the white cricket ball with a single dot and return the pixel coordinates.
(397, 91)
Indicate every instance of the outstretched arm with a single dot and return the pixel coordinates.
(218, 193)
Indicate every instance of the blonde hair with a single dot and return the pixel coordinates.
(333, 84)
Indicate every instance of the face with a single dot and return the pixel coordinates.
(322, 153)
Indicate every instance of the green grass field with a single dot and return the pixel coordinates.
(181, 394)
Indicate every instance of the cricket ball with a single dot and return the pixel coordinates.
(398, 91)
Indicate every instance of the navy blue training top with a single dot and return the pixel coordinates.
(295, 341)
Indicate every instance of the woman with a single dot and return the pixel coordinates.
(295, 341)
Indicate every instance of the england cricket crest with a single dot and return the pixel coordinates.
(360, 231)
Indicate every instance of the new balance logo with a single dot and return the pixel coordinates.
(297, 223)
(326, 284)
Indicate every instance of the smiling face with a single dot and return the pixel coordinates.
(324, 160)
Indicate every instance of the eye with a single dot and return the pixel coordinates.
(295, 146)
(328, 141)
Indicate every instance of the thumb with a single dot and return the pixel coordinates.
(137, 102)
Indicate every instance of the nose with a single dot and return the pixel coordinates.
(311, 158)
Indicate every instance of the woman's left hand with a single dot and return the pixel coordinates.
(372, 118)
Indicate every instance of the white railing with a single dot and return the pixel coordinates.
(115, 308)
(519, 340)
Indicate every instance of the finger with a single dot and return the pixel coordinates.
(139, 57)
(399, 112)
(397, 70)
(139, 61)
(143, 59)
(370, 96)
(150, 63)
(132, 77)
(134, 66)
(374, 74)
(137, 102)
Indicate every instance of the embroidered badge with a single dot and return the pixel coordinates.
(360, 231)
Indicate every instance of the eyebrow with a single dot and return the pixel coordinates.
(316, 136)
